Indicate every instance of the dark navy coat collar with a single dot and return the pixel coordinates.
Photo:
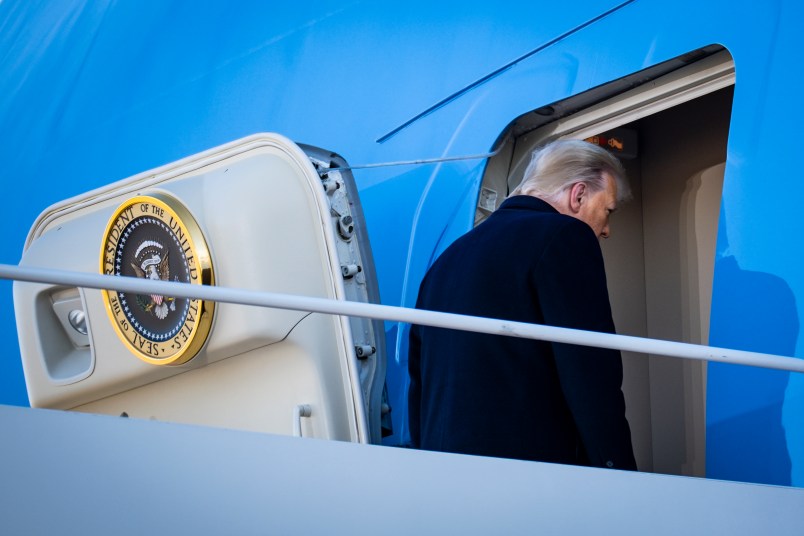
(527, 202)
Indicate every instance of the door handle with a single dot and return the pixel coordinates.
(302, 410)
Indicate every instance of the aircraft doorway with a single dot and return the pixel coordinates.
(660, 257)
(660, 266)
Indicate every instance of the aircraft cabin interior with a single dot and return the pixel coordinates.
(671, 136)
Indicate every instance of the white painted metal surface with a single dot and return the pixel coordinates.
(269, 224)
(107, 475)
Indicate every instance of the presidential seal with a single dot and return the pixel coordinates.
(155, 237)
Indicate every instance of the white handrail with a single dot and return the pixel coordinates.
(402, 314)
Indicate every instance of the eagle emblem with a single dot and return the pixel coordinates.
(155, 238)
(152, 263)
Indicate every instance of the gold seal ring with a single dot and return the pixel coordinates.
(155, 237)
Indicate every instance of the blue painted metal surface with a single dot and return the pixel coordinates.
(92, 92)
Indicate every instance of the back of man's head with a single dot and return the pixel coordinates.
(558, 165)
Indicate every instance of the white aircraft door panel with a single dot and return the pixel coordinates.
(260, 217)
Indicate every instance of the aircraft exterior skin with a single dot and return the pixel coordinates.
(94, 92)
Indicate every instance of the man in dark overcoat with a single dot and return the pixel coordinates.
(536, 259)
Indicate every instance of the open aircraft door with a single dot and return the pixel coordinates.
(262, 214)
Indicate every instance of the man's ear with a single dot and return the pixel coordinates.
(577, 196)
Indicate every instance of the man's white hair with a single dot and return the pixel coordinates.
(555, 167)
